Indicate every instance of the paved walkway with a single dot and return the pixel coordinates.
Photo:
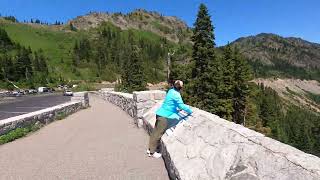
(97, 143)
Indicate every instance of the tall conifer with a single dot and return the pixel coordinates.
(243, 75)
(203, 89)
(226, 93)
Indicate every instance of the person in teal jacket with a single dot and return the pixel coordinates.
(170, 108)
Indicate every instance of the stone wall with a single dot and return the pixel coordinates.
(144, 101)
(135, 104)
(45, 116)
(123, 100)
(83, 97)
(208, 147)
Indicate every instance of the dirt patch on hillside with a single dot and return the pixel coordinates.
(294, 90)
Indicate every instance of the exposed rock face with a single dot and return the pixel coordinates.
(208, 147)
(170, 27)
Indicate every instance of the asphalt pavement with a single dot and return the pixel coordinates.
(25, 104)
(98, 143)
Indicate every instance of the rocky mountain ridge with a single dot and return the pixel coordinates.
(170, 27)
(271, 49)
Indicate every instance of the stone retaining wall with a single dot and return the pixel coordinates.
(208, 147)
(45, 116)
(144, 101)
(135, 104)
(123, 100)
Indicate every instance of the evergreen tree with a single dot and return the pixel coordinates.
(242, 76)
(1, 69)
(5, 40)
(204, 88)
(8, 68)
(76, 55)
(133, 78)
(23, 64)
(43, 65)
(36, 64)
(227, 88)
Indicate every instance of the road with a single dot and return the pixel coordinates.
(99, 143)
(26, 104)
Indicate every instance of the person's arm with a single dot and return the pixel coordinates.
(181, 105)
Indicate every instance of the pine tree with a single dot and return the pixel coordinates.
(36, 64)
(8, 68)
(5, 40)
(1, 69)
(43, 65)
(136, 80)
(133, 78)
(226, 93)
(242, 76)
(24, 65)
(76, 55)
(204, 88)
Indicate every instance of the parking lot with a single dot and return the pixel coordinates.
(25, 104)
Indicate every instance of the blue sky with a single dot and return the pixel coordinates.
(231, 18)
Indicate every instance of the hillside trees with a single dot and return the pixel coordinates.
(108, 53)
(7, 68)
(81, 51)
(23, 66)
(5, 41)
(290, 124)
(20, 64)
(133, 78)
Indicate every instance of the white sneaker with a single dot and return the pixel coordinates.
(148, 152)
(156, 155)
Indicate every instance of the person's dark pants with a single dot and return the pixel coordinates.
(158, 131)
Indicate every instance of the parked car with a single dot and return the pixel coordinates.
(17, 93)
(32, 91)
(43, 89)
(68, 93)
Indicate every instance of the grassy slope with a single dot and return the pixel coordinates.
(56, 45)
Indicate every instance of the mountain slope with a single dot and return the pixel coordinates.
(269, 48)
(299, 92)
(167, 26)
(59, 42)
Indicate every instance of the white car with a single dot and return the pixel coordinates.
(68, 93)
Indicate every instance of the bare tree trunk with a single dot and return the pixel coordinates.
(168, 67)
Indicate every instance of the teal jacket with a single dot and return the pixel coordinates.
(172, 104)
